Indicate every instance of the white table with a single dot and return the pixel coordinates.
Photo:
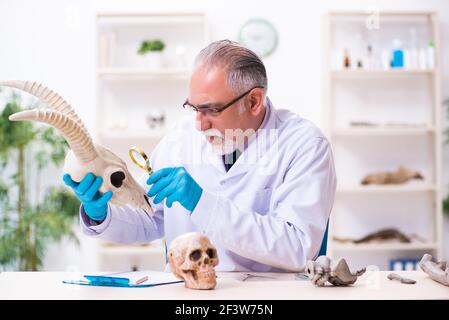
(372, 285)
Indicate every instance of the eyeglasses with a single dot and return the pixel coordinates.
(214, 111)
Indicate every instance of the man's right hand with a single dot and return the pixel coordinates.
(95, 203)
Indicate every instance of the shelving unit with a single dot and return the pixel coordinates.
(395, 116)
(129, 90)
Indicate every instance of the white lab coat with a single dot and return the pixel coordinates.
(268, 213)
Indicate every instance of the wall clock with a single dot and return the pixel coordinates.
(260, 36)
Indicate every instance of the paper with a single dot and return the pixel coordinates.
(127, 279)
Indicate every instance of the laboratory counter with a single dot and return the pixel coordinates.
(230, 285)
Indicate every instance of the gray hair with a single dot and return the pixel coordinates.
(244, 68)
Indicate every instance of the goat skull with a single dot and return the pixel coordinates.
(84, 156)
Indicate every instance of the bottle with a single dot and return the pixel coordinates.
(414, 52)
(397, 266)
(409, 266)
(407, 59)
(346, 59)
(398, 54)
(386, 59)
(414, 57)
(369, 59)
(431, 55)
(423, 58)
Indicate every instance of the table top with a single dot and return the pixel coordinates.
(270, 286)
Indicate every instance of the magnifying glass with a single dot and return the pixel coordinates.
(140, 159)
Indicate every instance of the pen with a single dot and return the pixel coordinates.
(142, 280)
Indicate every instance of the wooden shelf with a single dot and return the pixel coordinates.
(387, 189)
(134, 73)
(354, 73)
(124, 135)
(122, 249)
(143, 19)
(363, 14)
(383, 246)
(383, 131)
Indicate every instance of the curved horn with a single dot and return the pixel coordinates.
(54, 100)
(77, 137)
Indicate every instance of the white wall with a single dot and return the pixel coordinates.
(54, 42)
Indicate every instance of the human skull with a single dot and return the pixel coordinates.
(192, 258)
(84, 156)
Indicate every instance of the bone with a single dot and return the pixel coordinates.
(54, 100)
(73, 131)
(341, 275)
(80, 141)
(395, 276)
(437, 271)
(320, 272)
(378, 236)
(77, 137)
(400, 176)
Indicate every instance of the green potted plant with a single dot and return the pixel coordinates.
(31, 216)
(152, 51)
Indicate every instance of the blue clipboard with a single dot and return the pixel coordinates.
(136, 279)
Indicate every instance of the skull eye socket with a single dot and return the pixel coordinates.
(195, 255)
(210, 253)
(117, 178)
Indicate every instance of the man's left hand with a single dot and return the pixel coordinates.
(175, 184)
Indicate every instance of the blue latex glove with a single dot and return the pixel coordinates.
(95, 203)
(175, 184)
